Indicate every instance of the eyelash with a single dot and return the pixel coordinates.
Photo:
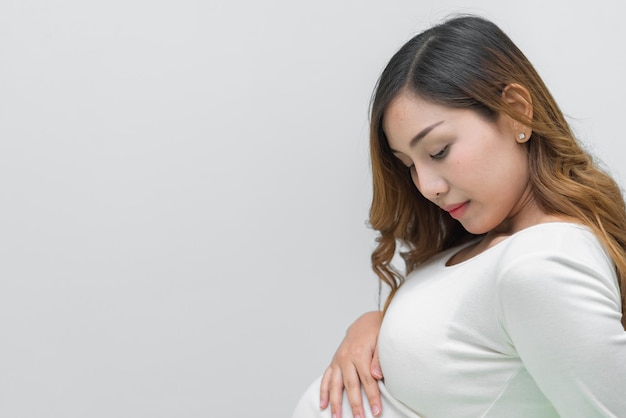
(441, 154)
(438, 156)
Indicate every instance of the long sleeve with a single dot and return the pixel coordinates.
(560, 310)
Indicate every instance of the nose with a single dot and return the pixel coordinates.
(429, 183)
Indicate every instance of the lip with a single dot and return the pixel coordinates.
(456, 210)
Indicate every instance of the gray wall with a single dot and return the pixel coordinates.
(184, 187)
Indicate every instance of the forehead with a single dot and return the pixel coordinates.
(412, 107)
(407, 114)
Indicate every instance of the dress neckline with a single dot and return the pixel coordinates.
(449, 254)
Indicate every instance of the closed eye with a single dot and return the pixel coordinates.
(440, 154)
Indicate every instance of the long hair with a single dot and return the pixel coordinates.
(466, 62)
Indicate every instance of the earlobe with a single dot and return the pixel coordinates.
(521, 138)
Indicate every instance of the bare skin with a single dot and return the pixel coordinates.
(475, 170)
(355, 365)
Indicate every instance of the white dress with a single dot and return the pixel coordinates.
(528, 328)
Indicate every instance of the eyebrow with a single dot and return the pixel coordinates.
(422, 134)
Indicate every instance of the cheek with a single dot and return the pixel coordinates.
(510, 182)
(470, 169)
(503, 166)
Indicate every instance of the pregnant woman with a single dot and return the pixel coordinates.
(514, 243)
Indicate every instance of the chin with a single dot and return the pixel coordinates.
(475, 229)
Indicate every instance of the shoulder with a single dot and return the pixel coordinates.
(554, 257)
(554, 240)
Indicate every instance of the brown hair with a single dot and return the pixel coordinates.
(466, 62)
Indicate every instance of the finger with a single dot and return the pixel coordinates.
(324, 388)
(336, 393)
(375, 368)
(370, 386)
(352, 384)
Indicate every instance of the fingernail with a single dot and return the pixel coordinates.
(378, 372)
(376, 410)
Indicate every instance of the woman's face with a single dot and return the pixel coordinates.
(470, 167)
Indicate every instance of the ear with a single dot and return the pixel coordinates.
(518, 98)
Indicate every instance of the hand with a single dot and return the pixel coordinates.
(355, 363)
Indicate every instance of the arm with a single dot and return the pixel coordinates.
(355, 363)
(562, 314)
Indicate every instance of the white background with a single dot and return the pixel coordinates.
(184, 188)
